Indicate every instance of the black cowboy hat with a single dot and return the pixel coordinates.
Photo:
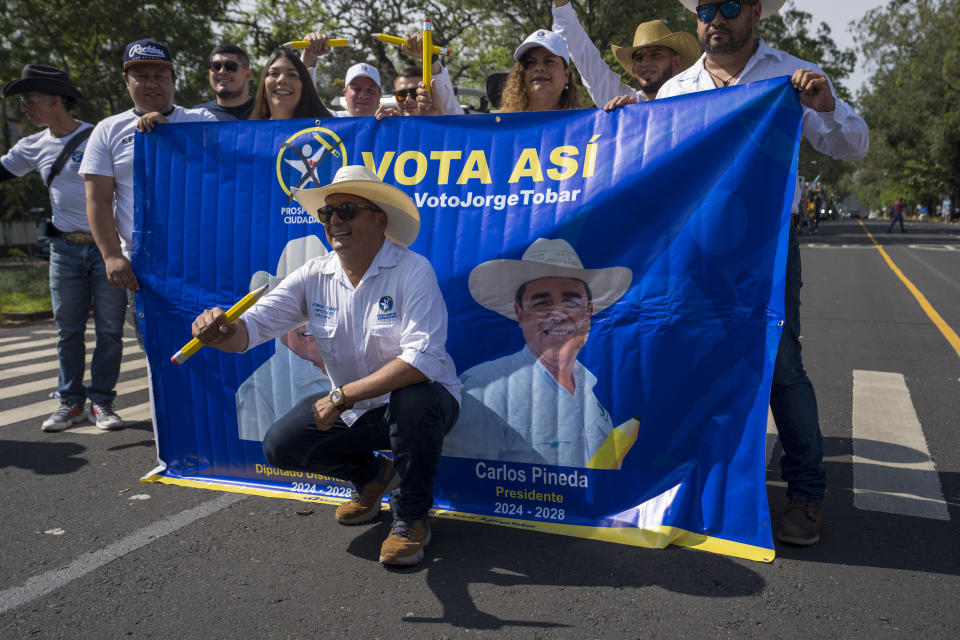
(41, 79)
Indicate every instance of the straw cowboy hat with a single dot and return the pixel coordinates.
(403, 217)
(41, 79)
(494, 284)
(657, 34)
(770, 7)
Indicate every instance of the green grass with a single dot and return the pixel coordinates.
(24, 290)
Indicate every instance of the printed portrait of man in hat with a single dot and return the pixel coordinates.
(538, 405)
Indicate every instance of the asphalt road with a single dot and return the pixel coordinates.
(88, 551)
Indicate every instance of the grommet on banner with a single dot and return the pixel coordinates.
(498, 119)
(316, 123)
(780, 324)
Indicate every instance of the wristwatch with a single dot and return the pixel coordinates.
(338, 400)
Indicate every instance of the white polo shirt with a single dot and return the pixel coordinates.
(39, 151)
(109, 152)
(840, 134)
(396, 311)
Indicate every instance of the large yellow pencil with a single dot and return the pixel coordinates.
(400, 42)
(331, 42)
(232, 314)
(427, 55)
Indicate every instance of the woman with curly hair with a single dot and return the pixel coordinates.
(286, 90)
(541, 78)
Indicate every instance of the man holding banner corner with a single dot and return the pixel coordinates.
(380, 324)
(733, 55)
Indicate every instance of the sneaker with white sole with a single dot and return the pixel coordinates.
(66, 414)
(103, 415)
(404, 546)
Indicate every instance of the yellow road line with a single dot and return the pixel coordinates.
(935, 317)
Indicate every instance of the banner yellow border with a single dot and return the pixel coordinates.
(653, 538)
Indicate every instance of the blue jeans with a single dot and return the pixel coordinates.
(412, 424)
(893, 220)
(77, 274)
(793, 402)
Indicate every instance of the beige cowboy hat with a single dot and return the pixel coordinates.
(403, 217)
(656, 34)
(769, 7)
(494, 284)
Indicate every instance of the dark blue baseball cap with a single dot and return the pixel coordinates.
(147, 51)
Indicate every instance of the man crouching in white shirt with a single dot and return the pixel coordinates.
(380, 324)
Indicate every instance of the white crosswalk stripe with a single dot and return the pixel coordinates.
(51, 366)
(892, 468)
(50, 350)
(34, 355)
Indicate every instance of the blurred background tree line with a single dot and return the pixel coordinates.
(911, 102)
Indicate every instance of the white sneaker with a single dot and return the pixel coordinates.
(66, 414)
(103, 415)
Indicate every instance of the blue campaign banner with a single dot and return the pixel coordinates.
(634, 411)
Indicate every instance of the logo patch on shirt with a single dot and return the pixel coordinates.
(128, 139)
(77, 156)
(323, 311)
(386, 309)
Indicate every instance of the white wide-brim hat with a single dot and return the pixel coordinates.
(494, 284)
(769, 7)
(403, 217)
(549, 40)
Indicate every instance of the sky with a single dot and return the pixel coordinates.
(837, 14)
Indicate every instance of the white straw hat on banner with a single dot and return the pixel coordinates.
(494, 284)
(403, 217)
(769, 7)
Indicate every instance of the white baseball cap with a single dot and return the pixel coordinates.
(365, 70)
(552, 42)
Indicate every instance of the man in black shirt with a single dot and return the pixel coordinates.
(230, 80)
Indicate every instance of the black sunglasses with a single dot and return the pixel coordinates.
(346, 211)
(729, 10)
(229, 65)
(402, 94)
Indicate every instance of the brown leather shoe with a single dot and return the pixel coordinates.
(404, 546)
(800, 524)
(364, 503)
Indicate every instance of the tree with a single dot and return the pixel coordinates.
(913, 104)
(87, 40)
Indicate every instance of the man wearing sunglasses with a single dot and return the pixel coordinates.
(734, 55)
(230, 80)
(379, 324)
(413, 100)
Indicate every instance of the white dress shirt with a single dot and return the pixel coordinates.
(840, 134)
(603, 83)
(396, 311)
(514, 410)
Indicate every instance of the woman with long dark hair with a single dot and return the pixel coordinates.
(286, 90)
